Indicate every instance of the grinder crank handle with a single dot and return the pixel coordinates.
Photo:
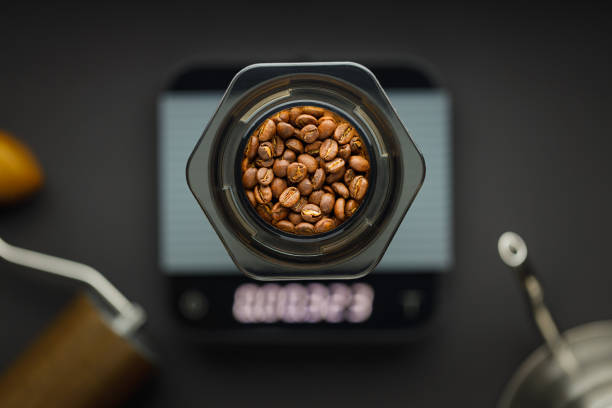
(86, 357)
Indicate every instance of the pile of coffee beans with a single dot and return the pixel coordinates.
(305, 170)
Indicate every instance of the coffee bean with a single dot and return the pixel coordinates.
(267, 130)
(265, 151)
(359, 163)
(263, 194)
(264, 212)
(313, 148)
(279, 146)
(329, 149)
(289, 155)
(311, 213)
(350, 208)
(295, 145)
(327, 203)
(358, 187)
(252, 146)
(251, 197)
(279, 212)
(339, 208)
(249, 178)
(305, 187)
(349, 175)
(265, 176)
(326, 127)
(280, 167)
(305, 228)
(314, 111)
(308, 161)
(324, 224)
(286, 226)
(294, 113)
(246, 163)
(344, 133)
(304, 120)
(340, 189)
(314, 197)
(295, 218)
(356, 145)
(333, 177)
(284, 115)
(264, 163)
(299, 205)
(278, 186)
(335, 165)
(345, 152)
(289, 197)
(310, 133)
(318, 178)
(284, 130)
(296, 172)
(329, 190)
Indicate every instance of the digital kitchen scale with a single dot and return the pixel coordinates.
(208, 292)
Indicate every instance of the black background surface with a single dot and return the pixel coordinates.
(532, 95)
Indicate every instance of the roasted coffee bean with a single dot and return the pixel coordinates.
(313, 148)
(333, 177)
(279, 212)
(305, 187)
(265, 151)
(308, 161)
(246, 163)
(279, 146)
(295, 145)
(264, 163)
(280, 167)
(338, 208)
(311, 213)
(264, 212)
(284, 115)
(289, 155)
(310, 133)
(296, 172)
(328, 150)
(305, 228)
(314, 111)
(251, 197)
(327, 203)
(304, 120)
(356, 145)
(249, 178)
(289, 197)
(265, 176)
(344, 152)
(252, 146)
(359, 163)
(284, 130)
(326, 127)
(320, 161)
(329, 190)
(318, 178)
(350, 208)
(349, 175)
(335, 165)
(294, 113)
(358, 188)
(278, 186)
(340, 189)
(324, 224)
(267, 130)
(286, 226)
(263, 194)
(295, 218)
(314, 197)
(344, 133)
(299, 205)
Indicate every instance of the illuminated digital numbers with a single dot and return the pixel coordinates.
(297, 303)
